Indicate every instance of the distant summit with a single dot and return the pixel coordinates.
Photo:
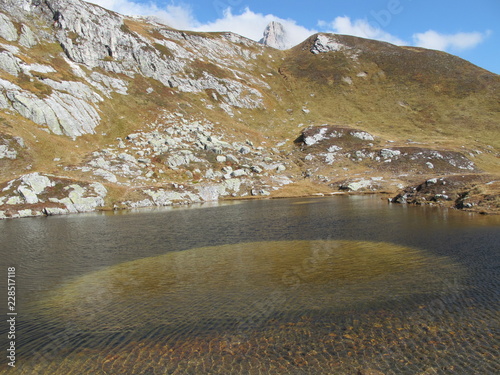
(275, 36)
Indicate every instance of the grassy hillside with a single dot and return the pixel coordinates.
(157, 81)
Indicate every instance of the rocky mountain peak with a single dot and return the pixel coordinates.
(275, 36)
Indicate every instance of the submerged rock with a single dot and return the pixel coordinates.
(306, 275)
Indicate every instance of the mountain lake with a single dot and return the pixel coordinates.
(338, 285)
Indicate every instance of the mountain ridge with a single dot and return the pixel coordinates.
(157, 116)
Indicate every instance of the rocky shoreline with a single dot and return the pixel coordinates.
(35, 195)
(180, 161)
(135, 114)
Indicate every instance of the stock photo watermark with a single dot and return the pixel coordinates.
(11, 316)
(383, 17)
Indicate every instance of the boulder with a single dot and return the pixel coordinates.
(9, 63)
(107, 175)
(127, 157)
(387, 153)
(36, 182)
(28, 195)
(7, 153)
(211, 192)
(260, 192)
(8, 30)
(232, 184)
(238, 173)
(27, 39)
(232, 159)
(363, 135)
(356, 185)
(50, 211)
(245, 150)
(280, 168)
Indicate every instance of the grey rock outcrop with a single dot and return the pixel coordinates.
(72, 109)
(7, 29)
(211, 192)
(28, 38)
(62, 113)
(162, 197)
(9, 63)
(275, 36)
(7, 151)
(33, 190)
(328, 43)
(36, 183)
(81, 199)
(115, 48)
(324, 43)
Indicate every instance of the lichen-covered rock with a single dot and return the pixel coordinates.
(389, 154)
(233, 185)
(238, 173)
(9, 63)
(107, 175)
(8, 30)
(62, 113)
(327, 136)
(77, 89)
(51, 211)
(27, 39)
(365, 136)
(358, 185)
(7, 153)
(107, 84)
(163, 197)
(327, 43)
(80, 201)
(211, 192)
(36, 182)
(30, 195)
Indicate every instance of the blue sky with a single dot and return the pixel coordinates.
(469, 29)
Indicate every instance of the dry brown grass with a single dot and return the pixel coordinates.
(486, 197)
(431, 97)
(427, 96)
(302, 188)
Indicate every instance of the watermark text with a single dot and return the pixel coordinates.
(11, 316)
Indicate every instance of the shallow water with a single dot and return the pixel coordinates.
(296, 286)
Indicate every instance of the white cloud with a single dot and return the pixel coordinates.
(446, 42)
(248, 23)
(252, 25)
(361, 28)
(176, 16)
(126, 7)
